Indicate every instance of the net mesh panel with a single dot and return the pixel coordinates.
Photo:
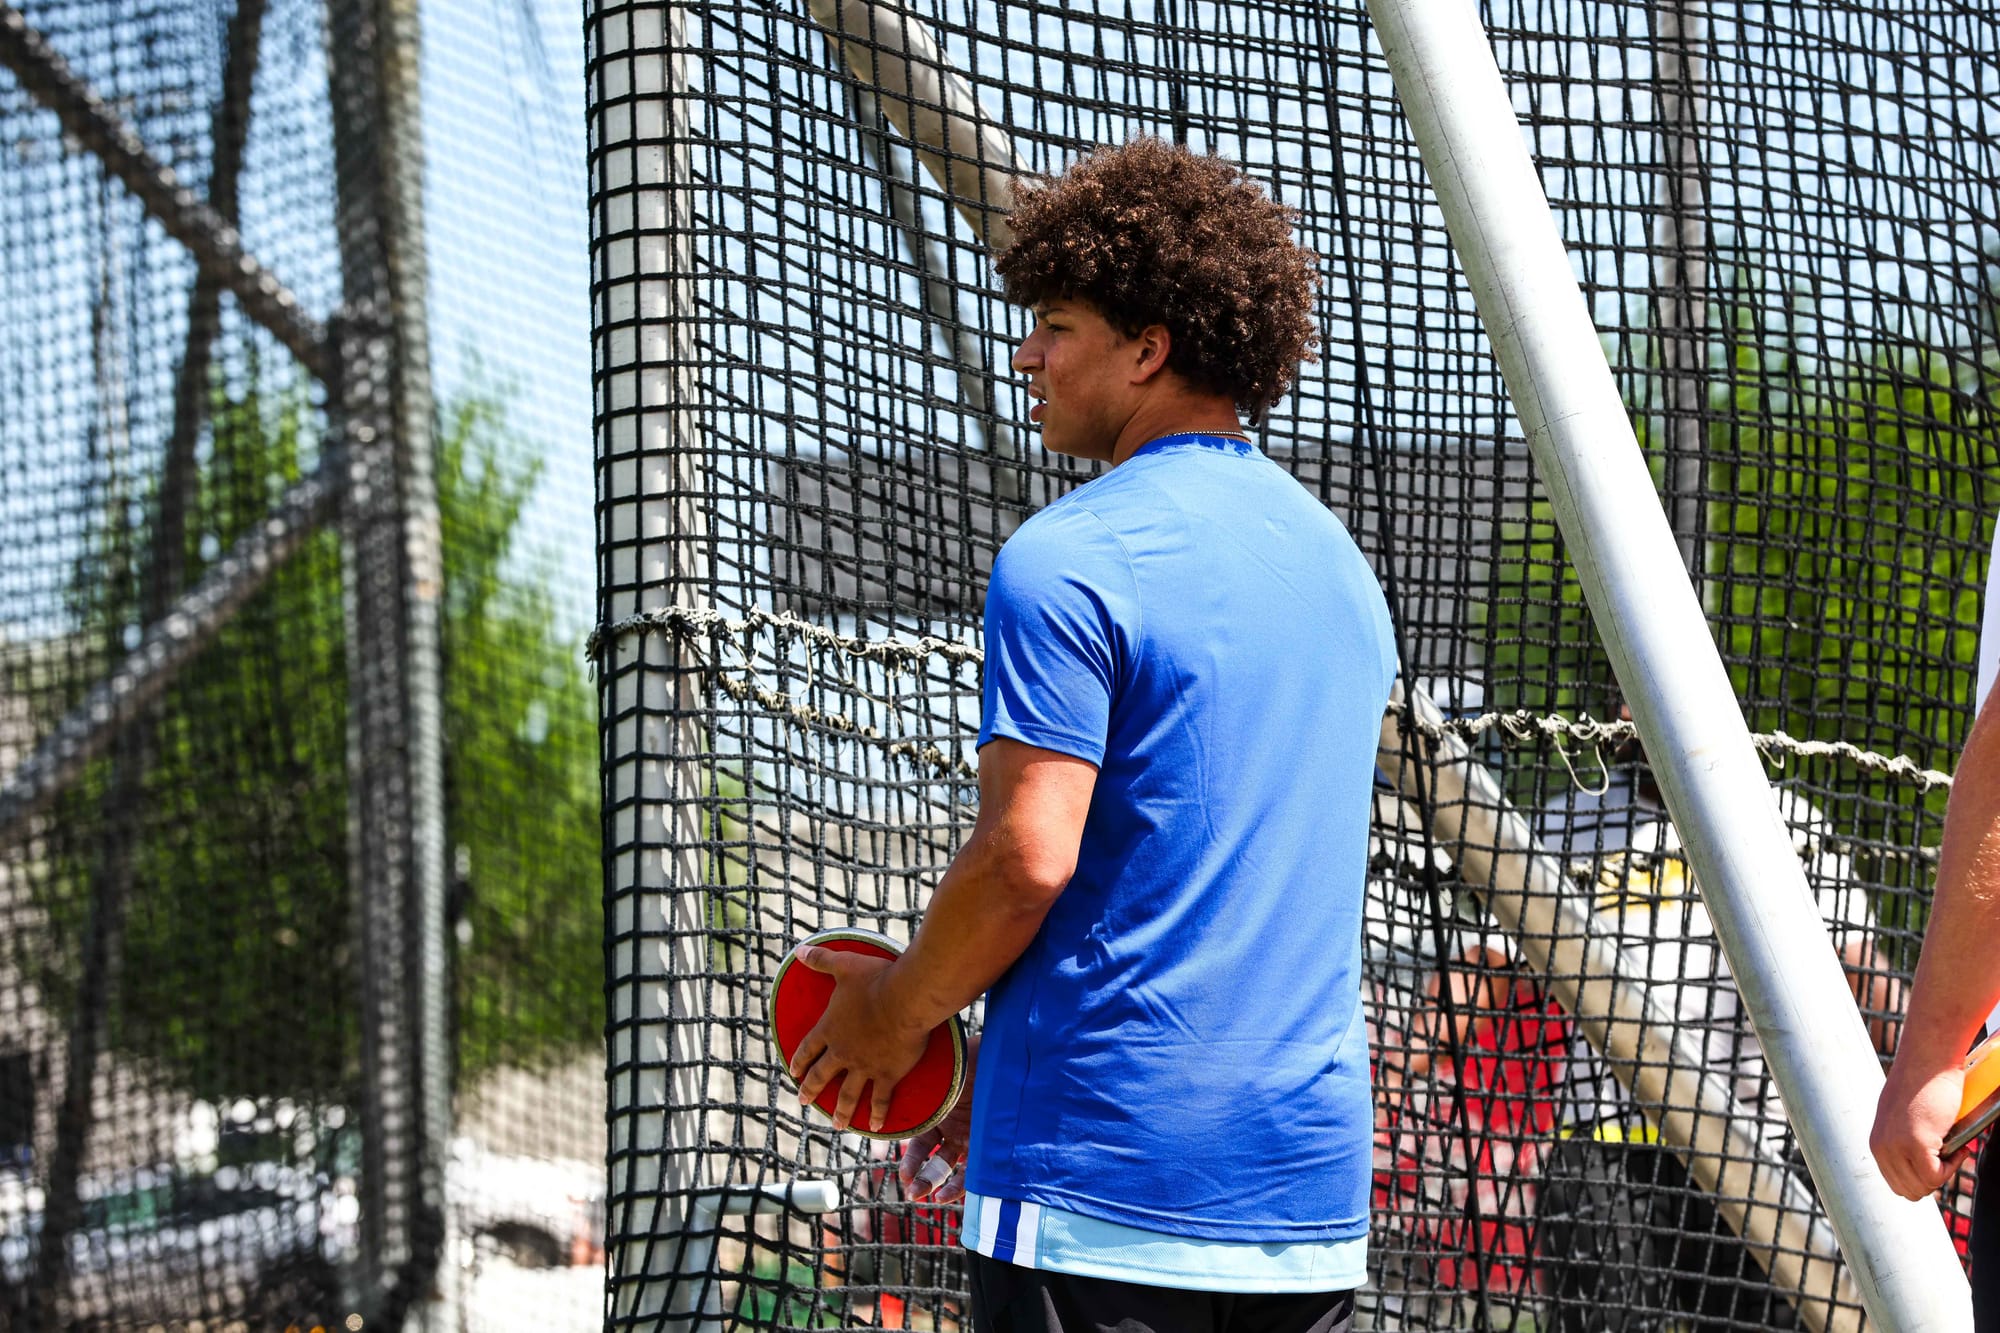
(185, 1139)
(1781, 216)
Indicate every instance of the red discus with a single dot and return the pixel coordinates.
(926, 1094)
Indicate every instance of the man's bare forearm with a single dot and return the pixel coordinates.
(983, 916)
(999, 887)
(1957, 983)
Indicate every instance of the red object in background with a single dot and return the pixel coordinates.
(1503, 1088)
(877, 1224)
(1955, 1201)
(799, 996)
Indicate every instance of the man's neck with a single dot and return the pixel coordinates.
(1177, 414)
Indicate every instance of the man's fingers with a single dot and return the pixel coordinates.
(1917, 1176)
(811, 1047)
(936, 1173)
(823, 1070)
(833, 962)
(845, 1104)
(915, 1152)
(879, 1104)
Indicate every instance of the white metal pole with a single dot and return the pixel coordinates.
(966, 151)
(651, 548)
(1658, 642)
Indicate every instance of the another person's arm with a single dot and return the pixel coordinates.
(947, 1142)
(1957, 981)
(985, 912)
(1877, 990)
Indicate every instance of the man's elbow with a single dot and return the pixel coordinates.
(1034, 878)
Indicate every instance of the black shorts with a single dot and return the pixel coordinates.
(1985, 1245)
(1009, 1299)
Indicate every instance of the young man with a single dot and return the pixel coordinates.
(1187, 661)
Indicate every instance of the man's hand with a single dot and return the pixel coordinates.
(1912, 1117)
(933, 1165)
(859, 1039)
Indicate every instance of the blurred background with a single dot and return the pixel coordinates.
(301, 961)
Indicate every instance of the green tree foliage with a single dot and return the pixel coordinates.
(521, 771)
(236, 975)
(1846, 550)
(1850, 546)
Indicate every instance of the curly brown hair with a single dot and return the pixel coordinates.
(1151, 233)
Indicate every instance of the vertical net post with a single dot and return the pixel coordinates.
(1680, 308)
(383, 416)
(1652, 627)
(651, 550)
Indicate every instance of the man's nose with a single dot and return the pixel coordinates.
(1028, 356)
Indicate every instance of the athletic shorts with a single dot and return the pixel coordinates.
(1007, 1298)
(1985, 1245)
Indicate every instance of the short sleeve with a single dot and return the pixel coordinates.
(1989, 629)
(1061, 619)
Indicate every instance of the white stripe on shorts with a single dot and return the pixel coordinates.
(1028, 1235)
(989, 1225)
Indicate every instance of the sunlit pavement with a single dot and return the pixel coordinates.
(501, 1298)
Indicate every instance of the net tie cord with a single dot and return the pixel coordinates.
(1517, 727)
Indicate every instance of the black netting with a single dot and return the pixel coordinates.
(300, 933)
(1783, 218)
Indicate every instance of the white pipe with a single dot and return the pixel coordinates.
(1658, 642)
(1639, 1035)
(697, 1243)
(965, 150)
(652, 545)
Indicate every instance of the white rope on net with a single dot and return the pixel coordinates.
(1517, 727)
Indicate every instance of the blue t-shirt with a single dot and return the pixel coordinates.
(1181, 1047)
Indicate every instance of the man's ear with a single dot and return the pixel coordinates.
(1152, 347)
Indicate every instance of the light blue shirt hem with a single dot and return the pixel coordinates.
(1054, 1240)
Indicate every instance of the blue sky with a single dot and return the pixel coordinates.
(509, 249)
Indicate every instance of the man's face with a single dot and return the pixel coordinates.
(1077, 369)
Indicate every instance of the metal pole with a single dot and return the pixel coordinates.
(189, 625)
(1680, 306)
(1657, 639)
(932, 260)
(966, 151)
(1641, 1037)
(383, 410)
(652, 549)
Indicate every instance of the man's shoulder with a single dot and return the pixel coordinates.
(1063, 545)
(1070, 526)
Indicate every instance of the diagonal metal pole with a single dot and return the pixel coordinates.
(1657, 638)
(975, 381)
(188, 626)
(963, 148)
(212, 241)
(1641, 1037)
